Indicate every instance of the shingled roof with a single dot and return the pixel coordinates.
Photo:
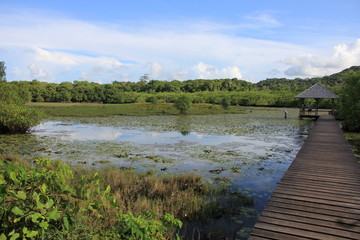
(317, 91)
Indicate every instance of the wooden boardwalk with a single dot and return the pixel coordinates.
(319, 195)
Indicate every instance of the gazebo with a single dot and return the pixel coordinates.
(316, 92)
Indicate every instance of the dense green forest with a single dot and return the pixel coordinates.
(278, 92)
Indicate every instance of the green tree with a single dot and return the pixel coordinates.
(2, 72)
(63, 92)
(350, 101)
(226, 101)
(12, 94)
(183, 103)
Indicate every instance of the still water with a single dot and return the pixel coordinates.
(250, 152)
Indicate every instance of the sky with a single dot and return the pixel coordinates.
(109, 40)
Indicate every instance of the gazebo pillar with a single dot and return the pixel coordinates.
(332, 106)
(317, 100)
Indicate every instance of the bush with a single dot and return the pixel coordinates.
(18, 119)
(183, 103)
(153, 99)
(350, 101)
(226, 101)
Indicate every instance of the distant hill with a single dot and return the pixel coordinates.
(299, 84)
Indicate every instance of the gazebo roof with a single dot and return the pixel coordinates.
(317, 91)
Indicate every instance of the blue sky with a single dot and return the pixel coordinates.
(105, 41)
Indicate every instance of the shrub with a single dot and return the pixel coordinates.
(18, 119)
(183, 103)
(153, 99)
(44, 202)
(350, 101)
(226, 101)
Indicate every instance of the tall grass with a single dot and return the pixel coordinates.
(186, 196)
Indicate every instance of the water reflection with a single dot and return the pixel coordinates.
(81, 132)
(88, 132)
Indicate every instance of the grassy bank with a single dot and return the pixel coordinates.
(131, 109)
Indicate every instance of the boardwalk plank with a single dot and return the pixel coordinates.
(322, 209)
(332, 224)
(310, 226)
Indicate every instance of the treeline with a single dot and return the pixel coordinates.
(83, 91)
(270, 92)
(36, 91)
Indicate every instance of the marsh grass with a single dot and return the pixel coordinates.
(186, 196)
(132, 109)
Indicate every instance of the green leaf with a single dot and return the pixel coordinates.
(12, 176)
(90, 206)
(15, 236)
(35, 217)
(49, 203)
(28, 233)
(43, 188)
(2, 179)
(66, 188)
(12, 232)
(3, 237)
(17, 211)
(44, 225)
(108, 189)
(32, 234)
(66, 222)
(21, 195)
(87, 194)
(53, 215)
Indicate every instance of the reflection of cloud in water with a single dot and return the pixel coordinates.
(88, 132)
(77, 132)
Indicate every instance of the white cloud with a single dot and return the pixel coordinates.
(59, 58)
(343, 56)
(180, 75)
(206, 71)
(155, 70)
(37, 73)
(262, 19)
(84, 76)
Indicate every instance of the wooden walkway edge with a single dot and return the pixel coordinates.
(319, 195)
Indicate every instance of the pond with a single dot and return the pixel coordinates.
(250, 152)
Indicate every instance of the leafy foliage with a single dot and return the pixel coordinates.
(183, 103)
(350, 101)
(13, 94)
(18, 119)
(42, 203)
